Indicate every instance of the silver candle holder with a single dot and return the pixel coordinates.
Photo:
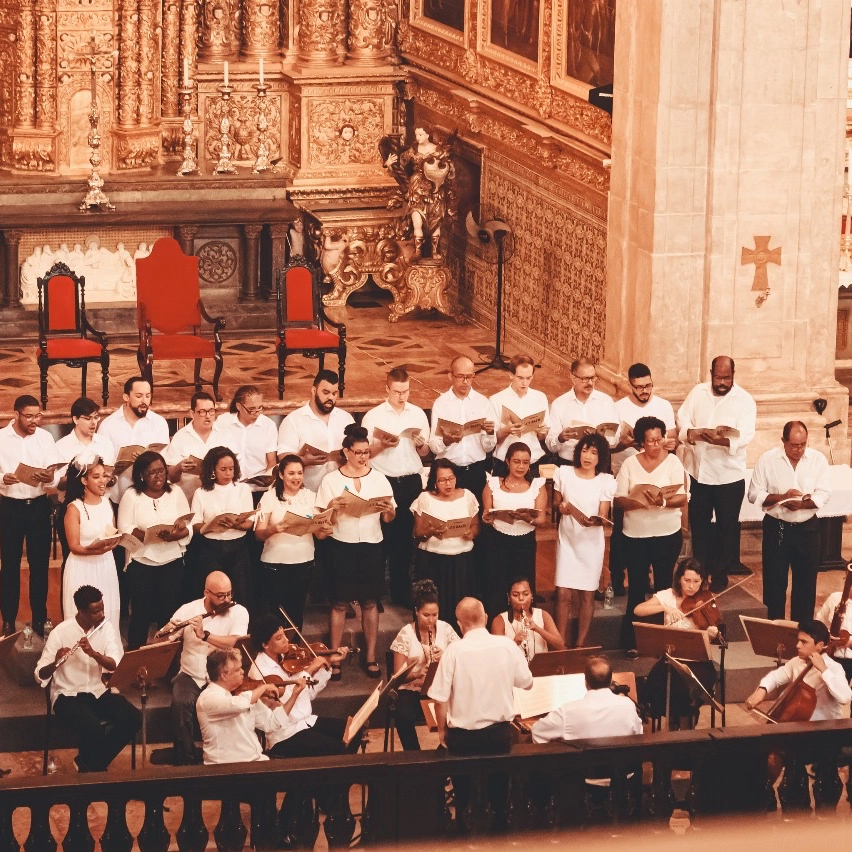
(94, 199)
(262, 163)
(224, 166)
(189, 166)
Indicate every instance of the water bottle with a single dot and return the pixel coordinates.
(608, 596)
(28, 636)
(48, 626)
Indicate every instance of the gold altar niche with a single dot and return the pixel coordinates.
(331, 70)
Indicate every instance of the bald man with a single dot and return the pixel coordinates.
(214, 621)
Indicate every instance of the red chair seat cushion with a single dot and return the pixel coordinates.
(179, 346)
(310, 338)
(71, 348)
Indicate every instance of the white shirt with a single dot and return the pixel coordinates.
(228, 724)
(187, 442)
(193, 657)
(629, 411)
(647, 523)
(403, 459)
(599, 713)
(475, 677)
(36, 450)
(283, 548)
(305, 426)
(566, 409)
(70, 446)
(532, 402)
(472, 448)
(464, 506)
(79, 673)
(150, 429)
(709, 464)
(251, 443)
(775, 474)
(832, 691)
(207, 505)
(367, 528)
(408, 643)
(826, 615)
(140, 511)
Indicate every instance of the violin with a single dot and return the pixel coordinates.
(298, 657)
(702, 609)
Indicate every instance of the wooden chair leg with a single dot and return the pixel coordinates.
(197, 375)
(281, 360)
(341, 366)
(84, 370)
(105, 377)
(217, 372)
(43, 384)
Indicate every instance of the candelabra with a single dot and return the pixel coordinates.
(95, 198)
(189, 166)
(224, 166)
(262, 164)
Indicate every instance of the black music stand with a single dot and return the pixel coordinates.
(142, 668)
(392, 693)
(776, 639)
(570, 661)
(7, 643)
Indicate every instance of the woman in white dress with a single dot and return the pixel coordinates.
(89, 522)
(583, 492)
(532, 628)
(511, 540)
(424, 639)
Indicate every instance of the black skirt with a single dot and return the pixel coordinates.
(356, 572)
(453, 575)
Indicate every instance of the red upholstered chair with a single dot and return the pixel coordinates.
(64, 328)
(169, 312)
(302, 321)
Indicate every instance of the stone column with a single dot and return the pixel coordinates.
(45, 12)
(186, 238)
(372, 31)
(12, 295)
(172, 73)
(322, 32)
(729, 124)
(128, 64)
(261, 29)
(25, 102)
(147, 63)
(251, 262)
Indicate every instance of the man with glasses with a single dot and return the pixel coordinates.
(84, 438)
(461, 404)
(25, 512)
(214, 621)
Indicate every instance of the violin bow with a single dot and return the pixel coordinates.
(252, 664)
(297, 631)
(713, 598)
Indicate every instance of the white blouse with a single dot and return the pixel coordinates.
(501, 499)
(645, 523)
(408, 643)
(446, 510)
(283, 548)
(367, 528)
(139, 510)
(207, 505)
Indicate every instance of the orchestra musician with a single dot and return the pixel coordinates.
(531, 628)
(836, 615)
(75, 656)
(212, 622)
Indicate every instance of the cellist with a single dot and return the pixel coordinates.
(836, 615)
(826, 676)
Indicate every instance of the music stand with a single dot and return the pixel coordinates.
(355, 723)
(570, 661)
(141, 668)
(775, 639)
(392, 692)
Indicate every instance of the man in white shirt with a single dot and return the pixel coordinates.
(599, 713)
(522, 401)
(80, 699)
(317, 425)
(84, 437)
(716, 462)
(400, 458)
(25, 512)
(843, 653)
(462, 404)
(214, 621)
(228, 722)
(790, 483)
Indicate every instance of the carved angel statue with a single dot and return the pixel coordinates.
(425, 174)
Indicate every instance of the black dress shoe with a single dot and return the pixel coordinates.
(8, 628)
(38, 627)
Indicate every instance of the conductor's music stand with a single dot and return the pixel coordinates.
(775, 639)
(570, 661)
(142, 668)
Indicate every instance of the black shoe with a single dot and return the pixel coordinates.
(8, 628)
(632, 654)
(619, 591)
(740, 570)
(38, 628)
(718, 584)
(599, 596)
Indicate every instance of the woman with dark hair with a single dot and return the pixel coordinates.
(521, 500)
(219, 504)
(287, 561)
(532, 628)
(652, 522)
(583, 493)
(357, 563)
(442, 557)
(155, 570)
(422, 640)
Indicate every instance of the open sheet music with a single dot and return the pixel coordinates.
(307, 524)
(530, 423)
(220, 522)
(454, 528)
(577, 429)
(411, 433)
(594, 520)
(548, 693)
(117, 539)
(322, 456)
(711, 433)
(152, 534)
(355, 723)
(27, 473)
(647, 494)
(127, 455)
(509, 516)
(448, 429)
(357, 507)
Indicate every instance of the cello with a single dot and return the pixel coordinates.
(840, 609)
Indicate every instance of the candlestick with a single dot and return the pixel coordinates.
(190, 164)
(224, 165)
(226, 74)
(261, 70)
(261, 163)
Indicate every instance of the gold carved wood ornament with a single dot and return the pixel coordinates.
(344, 132)
(760, 256)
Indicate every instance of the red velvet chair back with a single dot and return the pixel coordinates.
(299, 295)
(167, 286)
(61, 305)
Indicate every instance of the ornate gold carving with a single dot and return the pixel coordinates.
(218, 36)
(128, 63)
(372, 31)
(261, 28)
(345, 131)
(31, 154)
(171, 141)
(188, 34)
(217, 261)
(7, 75)
(171, 56)
(137, 151)
(146, 62)
(45, 64)
(25, 98)
(295, 140)
(424, 286)
(322, 31)
(242, 112)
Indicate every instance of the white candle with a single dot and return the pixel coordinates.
(261, 70)
(226, 73)
(186, 73)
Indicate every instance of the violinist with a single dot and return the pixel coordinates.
(209, 623)
(424, 639)
(532, 628)
(688, 586)
(836, 615)
(826, 676)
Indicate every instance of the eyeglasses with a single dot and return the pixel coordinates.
(644, 387)
(256, 410)
(445, 480)
(467, 377)
(211, 412)
(359, 452)
(31, 418)
(89, 418)
(584, 378)
(220, 596)
(653, 442)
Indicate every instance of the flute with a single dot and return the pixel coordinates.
(70, 652)
(163, 632)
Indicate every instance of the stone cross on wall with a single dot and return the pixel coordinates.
(760, 255)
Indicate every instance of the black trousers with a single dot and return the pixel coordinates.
(716, 546)
(659, 551)
(399, 545)
(324, 738)
(408, 714)
(618, 544)
(472, 477)
(185, 692)
(233, 558)
(154, 592)
(99, 744)
(287, 586)
(20, 521)
(790, 546)
(509, 557)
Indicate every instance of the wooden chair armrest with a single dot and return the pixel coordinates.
(144, 326)
(218, 322)
(98, 335)
(328, 321)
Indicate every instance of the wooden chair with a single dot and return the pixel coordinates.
(301, 319)
(169, 311)
(64, 329)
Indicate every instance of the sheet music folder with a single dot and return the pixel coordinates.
(771, 638)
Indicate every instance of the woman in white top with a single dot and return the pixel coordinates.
(224, 546)
(357, 563)
(445, 558)
(155, 570)
(89, 521)
(532, 628)
(511, 540)
(652, 535)
(287, 561)
(422, 640)
(583, 493)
